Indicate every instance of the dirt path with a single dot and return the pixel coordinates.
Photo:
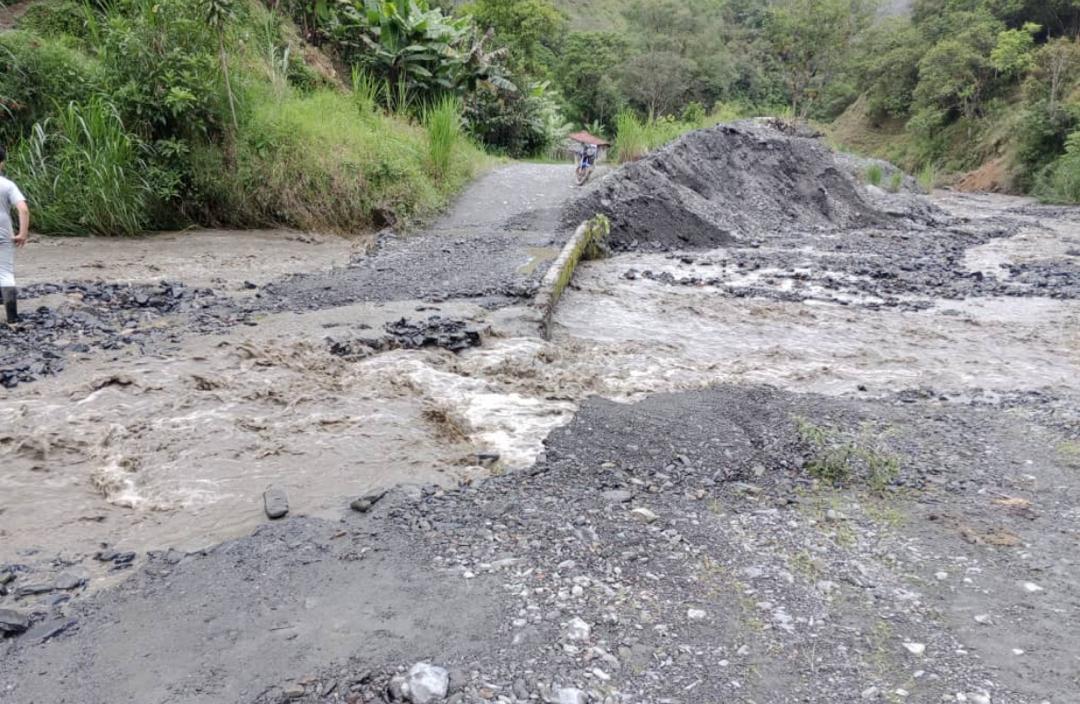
(892, 519)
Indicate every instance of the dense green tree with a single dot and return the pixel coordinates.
(521, 25)
(957, 75)
(810, 39)
(1014, 54)
(888, 66)
(587, 75)
(658, 82)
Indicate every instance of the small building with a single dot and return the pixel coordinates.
(573, 142)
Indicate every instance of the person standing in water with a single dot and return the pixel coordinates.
(10, 197)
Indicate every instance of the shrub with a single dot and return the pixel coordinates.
(508, 121)
(35, 74)
(896, 182)
(1060, 181)
(84, 173)
(874, 175)
(57, 19)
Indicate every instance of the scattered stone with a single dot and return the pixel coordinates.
(571, 695)
(870, 694)
(426, 683)
(34, 589)
(696, 614)
(617, 496)
(915, 648)
(983, 619)
(275, 502)
(47, 630)
(13, 622)
(644, 515)
(1032, 588)
(68, 581)
(578, 630)
(293, 691)
(364, 503)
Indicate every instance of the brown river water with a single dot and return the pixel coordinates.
(147, 452)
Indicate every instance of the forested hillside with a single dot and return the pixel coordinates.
(126, 115)
(941, 86)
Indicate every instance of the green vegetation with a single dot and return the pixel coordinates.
(896, 182)
(950, 87)
(838, 460)
(144, 114)
(874, 175)
(128, 115)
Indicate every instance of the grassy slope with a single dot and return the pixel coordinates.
(974, 155)
(311, 159)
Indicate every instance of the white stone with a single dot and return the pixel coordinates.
(644, 514)
(1031, 587)
(571, 695)
(870, 693)
(942, 576)
(577, 629)
(984, 619)
(695, 614)
(426, 683)
(915, 648)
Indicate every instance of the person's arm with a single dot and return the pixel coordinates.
(24, 223)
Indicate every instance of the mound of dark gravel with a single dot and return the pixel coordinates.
(718, 185)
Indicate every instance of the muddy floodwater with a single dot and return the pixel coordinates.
(174, 447)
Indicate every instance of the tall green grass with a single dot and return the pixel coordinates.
(874, 175)
(634, 137)
(85, 173)
(366, 90)
(928, 176)
(306, 161)
(443, 123)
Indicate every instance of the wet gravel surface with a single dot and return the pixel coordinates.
(680, 549)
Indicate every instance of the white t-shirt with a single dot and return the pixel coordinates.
(10, 196)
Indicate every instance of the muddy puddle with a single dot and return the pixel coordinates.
(175, 448)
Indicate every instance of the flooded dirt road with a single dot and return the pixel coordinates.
(800, 465)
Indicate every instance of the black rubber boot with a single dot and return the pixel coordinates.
(11, 304)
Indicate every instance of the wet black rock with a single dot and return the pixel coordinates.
(435, 331)
(364, 503)
(25, 590)
(106, 316)
(13, 622)
(275, 502)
